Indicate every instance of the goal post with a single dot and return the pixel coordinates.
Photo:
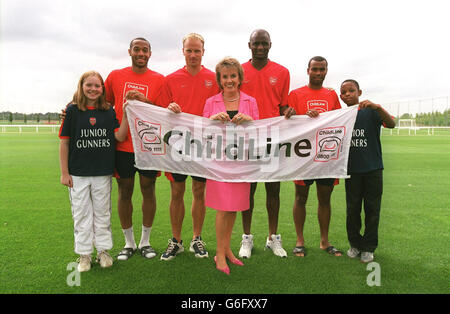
(408, 124)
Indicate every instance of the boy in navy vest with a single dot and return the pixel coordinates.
(365, 166)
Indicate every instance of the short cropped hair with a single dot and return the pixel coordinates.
(318, 59)
(256, 31)
(140, 38)
(80, 99)
(351, 81)
(229, 62)
(194, 35)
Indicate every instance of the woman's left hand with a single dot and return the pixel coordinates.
(221, 116)
(240, 118)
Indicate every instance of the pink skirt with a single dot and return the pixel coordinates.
(228, 196)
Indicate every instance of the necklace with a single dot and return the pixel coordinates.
(231, 100)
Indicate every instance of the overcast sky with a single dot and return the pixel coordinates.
(397, 50)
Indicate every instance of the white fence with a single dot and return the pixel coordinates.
(54, 128)
(429, 130)
(28, 128)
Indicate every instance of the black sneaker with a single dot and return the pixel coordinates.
(198, 247)
(173, 249)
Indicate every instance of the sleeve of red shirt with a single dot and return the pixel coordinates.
(337, 104)
(285, 90)
(165, 96)
(292, 102)
(157, 91)
(109, 90)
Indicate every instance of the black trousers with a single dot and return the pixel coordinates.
(364, 188)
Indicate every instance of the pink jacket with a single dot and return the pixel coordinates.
(247, 105)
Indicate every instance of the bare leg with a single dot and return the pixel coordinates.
(124, 204)
(324, 213)
(198, 207)
(177, 209)
(224, 227)
(273, 205)
(299, 213)
(149, 200)
(247, 214)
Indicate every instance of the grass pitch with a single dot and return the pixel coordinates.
(36, 232)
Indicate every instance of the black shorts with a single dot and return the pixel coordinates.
(327, 182)
(124, 167)
(176, 177)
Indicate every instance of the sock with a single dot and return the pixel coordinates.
(145, 237)
(129, 238)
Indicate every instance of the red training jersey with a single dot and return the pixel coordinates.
(119, 82)
(304, 98)
(190, 92)
(269, 86)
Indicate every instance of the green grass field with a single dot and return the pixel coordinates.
(36, 232)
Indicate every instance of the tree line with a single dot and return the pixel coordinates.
(434, 118)
(422, 119)
(48, 117)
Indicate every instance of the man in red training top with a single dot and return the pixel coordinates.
(312, 100)
(268, 83)
(186, 90)
(141, 83)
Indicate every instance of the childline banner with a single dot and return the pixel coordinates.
(267, 150)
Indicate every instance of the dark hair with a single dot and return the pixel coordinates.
(318, 59)
(259, 31)
(351, 81)
(140, 38)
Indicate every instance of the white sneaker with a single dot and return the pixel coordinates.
(274, 243)
(353, 252)
(246, 246)
(104, 259)
(366, 257)
(84, 263)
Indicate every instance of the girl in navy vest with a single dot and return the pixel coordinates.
(365, 166)
(87, 149)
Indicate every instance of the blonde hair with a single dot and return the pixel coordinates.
(80, 99)
(194, 35)
(229, 62)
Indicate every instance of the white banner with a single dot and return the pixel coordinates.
(268, 150)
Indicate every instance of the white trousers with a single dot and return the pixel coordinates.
(90, 198)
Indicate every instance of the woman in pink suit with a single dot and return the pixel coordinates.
(231, 105)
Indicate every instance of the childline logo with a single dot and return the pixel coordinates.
(328, 143)
(150, 135)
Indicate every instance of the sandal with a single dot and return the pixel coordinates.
(126, 253)
(299, 250)
(147, 252)
(333, 251)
